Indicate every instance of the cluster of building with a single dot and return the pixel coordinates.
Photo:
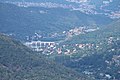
(77, 1)
(54, 47)
(79, 30)
(112, 39)
(76, 31)
(42, 4)
(49, 48)
(115, 15)
(41, 46)
(107, 1)
(74, 48)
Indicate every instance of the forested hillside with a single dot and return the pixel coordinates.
(17, 62)
(25, 21)
(98, 54)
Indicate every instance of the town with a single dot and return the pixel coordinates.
(55, 47)
(51, 48)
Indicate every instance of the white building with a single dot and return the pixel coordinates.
(38, 45)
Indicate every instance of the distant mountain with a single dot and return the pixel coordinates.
(17, 62)
(109, 8)
(25, 21)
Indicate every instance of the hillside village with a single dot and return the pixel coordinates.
(59, 47)
(53, 47)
